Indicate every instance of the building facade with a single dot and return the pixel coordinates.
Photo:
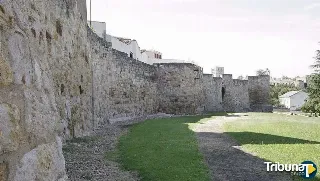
(299, 82)
(293, 100)
(217, 71)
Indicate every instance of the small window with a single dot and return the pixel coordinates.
(80, 90)
(131, 55)
(155, 55)
(160, 56)
(62, 89)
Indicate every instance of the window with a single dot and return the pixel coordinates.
(131, 55)
(62, 89)
(160, 56)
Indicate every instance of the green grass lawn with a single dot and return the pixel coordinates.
(279, 138)
(164, 149)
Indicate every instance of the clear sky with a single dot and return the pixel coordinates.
(240, 35)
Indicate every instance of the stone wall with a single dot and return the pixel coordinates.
(180, 88)
(59, 80)
(123, 87)
(212, 93)
(45, 86)
(259, 92)
(236, 97)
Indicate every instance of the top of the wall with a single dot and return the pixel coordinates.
(178, 65)
(260, 77)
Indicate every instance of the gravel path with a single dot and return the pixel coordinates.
(85, 157)
(225, 158)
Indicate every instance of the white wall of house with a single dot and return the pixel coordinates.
(144, 57)
(99, 28)
(294, 102)
(217, 71)
(131, 47)
(285, 101)
(153, 54)
(297, 100)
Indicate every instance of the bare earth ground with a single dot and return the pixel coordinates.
(225, 158)
(85, 159)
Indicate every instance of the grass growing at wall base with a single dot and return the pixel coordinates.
(164, 149)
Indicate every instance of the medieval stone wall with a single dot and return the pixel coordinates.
(212, 93)
(45, 86)
(123, 87)
(58, 80)
(180, 88)
(259, 89)
(236, 98)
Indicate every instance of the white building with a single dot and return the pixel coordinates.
(131, 47)
(152, 57)
(125, 45)
(217, 71)
(99, 28)
(299, 82)
(293, 100)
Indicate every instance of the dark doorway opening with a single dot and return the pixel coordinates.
(223, 92)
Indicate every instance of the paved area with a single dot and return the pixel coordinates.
(225, 158)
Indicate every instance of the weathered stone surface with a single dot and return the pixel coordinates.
(10, 131)
(122, 87)
(41, 116)
(180, 88)
(3, 172)
(236, 98)
(213, 93)
(259, 89)
(19, 53)
(6, 76)
(44, 163)
(58, 78)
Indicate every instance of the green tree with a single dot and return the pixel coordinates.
(316, 65)
(263, 72)
(241, 77)
(313, 103)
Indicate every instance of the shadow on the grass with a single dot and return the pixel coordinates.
(260, 138)
(227, 162)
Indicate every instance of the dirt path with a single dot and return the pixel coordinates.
(225, 158)
(86, 157)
